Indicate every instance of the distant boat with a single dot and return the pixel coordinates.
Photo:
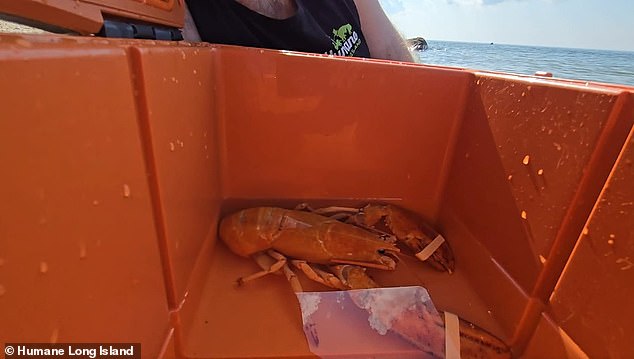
(417, 43)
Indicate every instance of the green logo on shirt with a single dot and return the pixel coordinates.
(345, 41)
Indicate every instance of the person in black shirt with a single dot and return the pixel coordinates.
(336, 27)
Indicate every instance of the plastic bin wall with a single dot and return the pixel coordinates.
(79, 261)
(114, 191)
(530, 163)
(591, 300)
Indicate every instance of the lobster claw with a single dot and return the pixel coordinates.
(427, 244)
(421, 331)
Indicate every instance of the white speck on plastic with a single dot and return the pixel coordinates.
(43, 267)
(54, 336)
(83, 251)
(126, 191)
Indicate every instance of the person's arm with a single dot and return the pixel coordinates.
(383, 40)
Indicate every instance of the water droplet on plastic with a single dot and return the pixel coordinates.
(612, 236)
(194, 71)
(540, 172)
(557, 146)
(585, 231)
(95, 203)
(466, 155)
(611, 242)
(54, 336)
(524, 215)
(172, 146)
(126, 191)
(43, 267)
(627, 263)
(3, 290)
(510, 177)
(181, 143)
(542, 259)
(526, 159)
(83, 251)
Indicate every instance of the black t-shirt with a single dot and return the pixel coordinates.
(319, 26)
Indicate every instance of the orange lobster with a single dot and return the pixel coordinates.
(335, 251)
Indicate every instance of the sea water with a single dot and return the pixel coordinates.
(616, 67)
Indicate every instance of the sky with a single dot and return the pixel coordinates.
(589, 24)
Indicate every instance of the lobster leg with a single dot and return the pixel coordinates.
(318, 275)
(292, 278)
(338, 213)
(326, 211)
(353, 277)
(269, 262)
(279, 264)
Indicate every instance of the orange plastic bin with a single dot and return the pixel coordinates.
(120, 157)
